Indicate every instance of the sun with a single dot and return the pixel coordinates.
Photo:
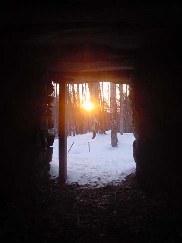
(88, 105)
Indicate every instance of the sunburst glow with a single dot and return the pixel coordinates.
(88, 105)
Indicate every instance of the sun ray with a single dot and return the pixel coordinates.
(88, 105)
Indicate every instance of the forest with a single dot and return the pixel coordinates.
(95, 107)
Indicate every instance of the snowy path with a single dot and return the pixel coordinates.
(101, 165)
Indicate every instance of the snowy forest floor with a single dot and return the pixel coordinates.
(72, 213)
(99, 165)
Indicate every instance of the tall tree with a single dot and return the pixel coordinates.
(121, 109)
(102, 110)
(94, 89)
(113, 111)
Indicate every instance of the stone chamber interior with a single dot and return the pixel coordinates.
(138, 44)
(30, 55)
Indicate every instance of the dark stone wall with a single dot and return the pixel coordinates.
(24, 156)
(156, 109)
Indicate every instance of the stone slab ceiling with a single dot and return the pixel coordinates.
(89, 36)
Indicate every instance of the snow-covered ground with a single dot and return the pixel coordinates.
(95, 161)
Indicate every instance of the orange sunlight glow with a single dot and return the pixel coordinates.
(88, 105)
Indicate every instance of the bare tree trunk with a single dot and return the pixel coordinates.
(114, 139)
(102, 112)
(78, 111)
(94, 97)
(121, 109)
(56, 109)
